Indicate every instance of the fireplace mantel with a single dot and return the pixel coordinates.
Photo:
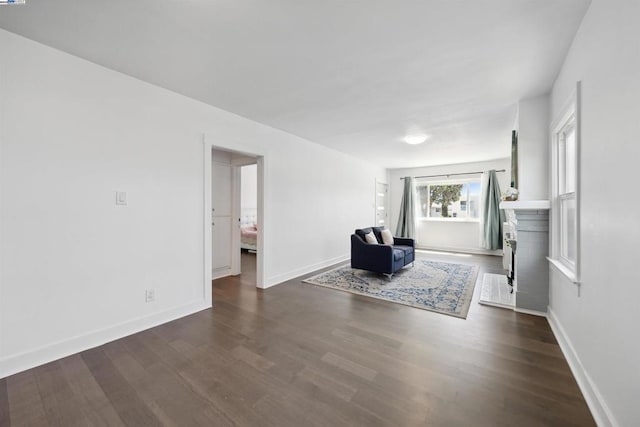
(526, 205)
(530, 220)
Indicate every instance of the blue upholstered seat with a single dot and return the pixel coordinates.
(379, 257)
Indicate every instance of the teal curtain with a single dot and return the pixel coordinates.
(493, 215)
(406, 222)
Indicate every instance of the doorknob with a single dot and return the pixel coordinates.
(213, 223)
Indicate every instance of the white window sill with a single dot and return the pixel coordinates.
(564, 270)
(449, 220)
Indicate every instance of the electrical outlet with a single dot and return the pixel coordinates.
(149, 295)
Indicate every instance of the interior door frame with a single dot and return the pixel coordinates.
(211, 142)
(375, 202)
(236, 207)
(236, 194)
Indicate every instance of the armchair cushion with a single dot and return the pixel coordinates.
(377, 231)
(409, 253)
(363, 231)
(404, 241)
(371, 238)
(387, 237)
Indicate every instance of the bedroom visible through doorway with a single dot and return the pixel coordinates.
(223, 215)
(249, 208)
(248, 218)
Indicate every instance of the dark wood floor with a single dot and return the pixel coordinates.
(297, 354)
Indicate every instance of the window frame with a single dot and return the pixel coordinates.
(427, 182)
(570, 118)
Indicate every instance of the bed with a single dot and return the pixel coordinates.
(249, 232)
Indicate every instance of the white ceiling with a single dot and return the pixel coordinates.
(354, 75)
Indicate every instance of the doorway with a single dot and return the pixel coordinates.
(222, 214)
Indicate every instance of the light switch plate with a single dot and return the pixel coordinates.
(121, 197)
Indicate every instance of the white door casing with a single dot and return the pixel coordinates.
(381, 204)
(211, 142)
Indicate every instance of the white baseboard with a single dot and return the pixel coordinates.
(531, 312)
(599, 409)
(280, 278)
(219, 274)
(474, 251)
(21, 362)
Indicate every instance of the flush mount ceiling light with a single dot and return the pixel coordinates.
(415, 139)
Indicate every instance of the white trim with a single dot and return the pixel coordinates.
(57, 350)
(452, 219)
(280, 278)
(525, 204)
(386, 202)
(531, 312)
(236, 196)
(570, 109)
(578, 101)
(2, 137)
(239, 147)
(564, 270)
(596, 403)
(261, 257)
(223, 272)
(207, 245)
(474, 251)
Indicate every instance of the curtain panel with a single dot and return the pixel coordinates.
(492, 216)
(406, 222)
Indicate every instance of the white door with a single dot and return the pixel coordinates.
(382, 195)
(221, 222)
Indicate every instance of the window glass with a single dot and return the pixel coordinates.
(568, 224)
(449, 200)
(566, 195)
(570, 160)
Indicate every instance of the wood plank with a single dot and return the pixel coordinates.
(25, 403)
(252, 359)
(5, 416)
(298, 354)
(122, 395)
(95, 406)
(349, 366)
(339, 389)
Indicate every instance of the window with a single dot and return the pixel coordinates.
(565, 192)
(450, 200)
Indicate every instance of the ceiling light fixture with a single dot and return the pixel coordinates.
(415, 139)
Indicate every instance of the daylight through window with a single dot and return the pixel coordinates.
(566, 191)
(449, 200)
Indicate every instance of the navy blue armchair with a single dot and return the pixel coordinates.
(380, 258)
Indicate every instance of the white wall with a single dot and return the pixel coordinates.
(533, 148)
(249, 188)
(600, 320)
(73, 265)
(433, 234)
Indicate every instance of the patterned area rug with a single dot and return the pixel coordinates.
(430, 285)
